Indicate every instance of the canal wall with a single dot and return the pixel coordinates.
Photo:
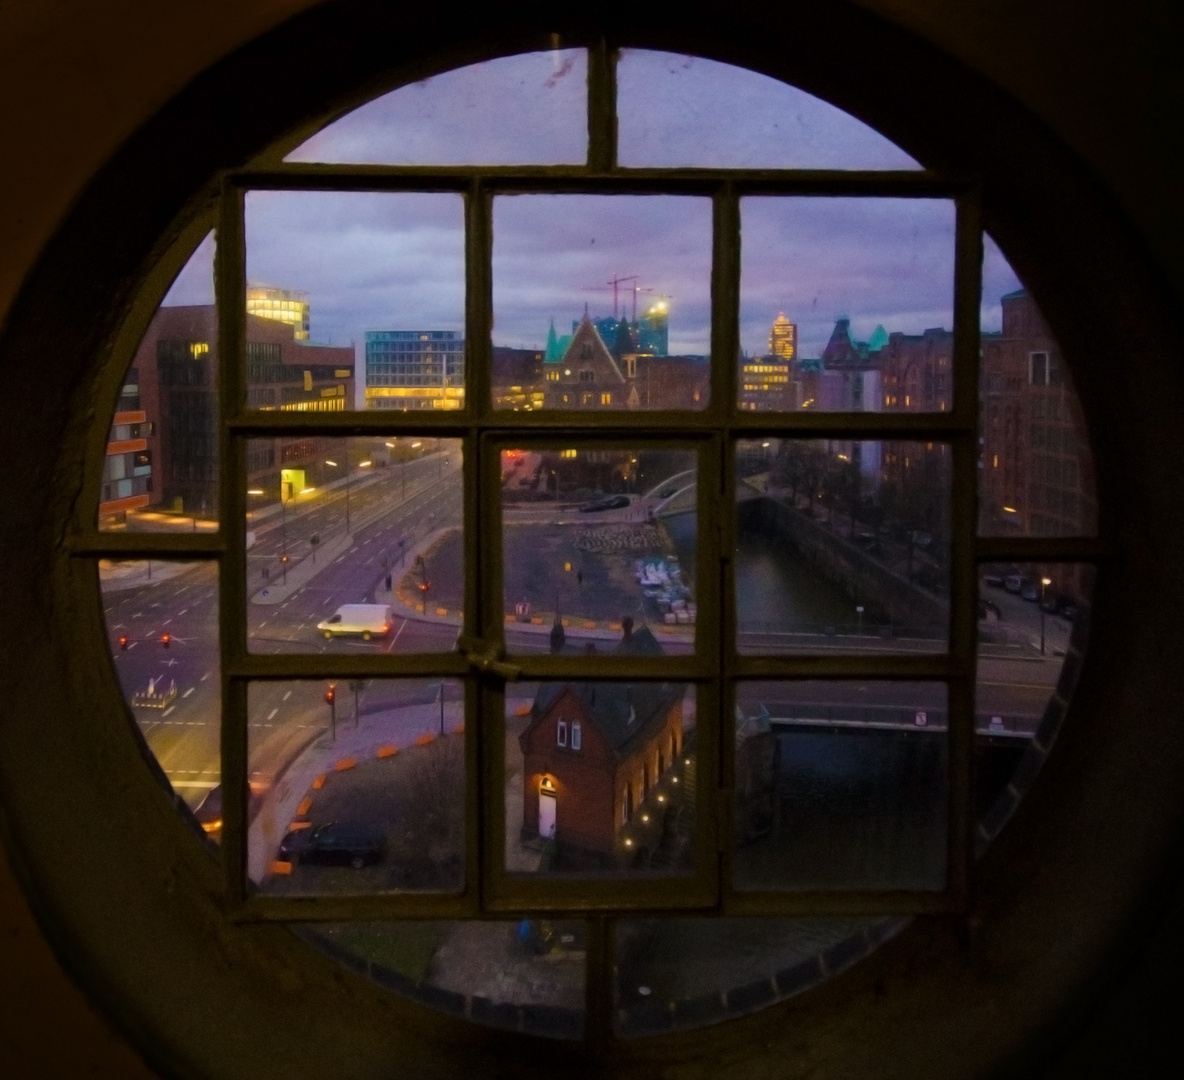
(889, 600)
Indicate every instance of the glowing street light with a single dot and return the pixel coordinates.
(1044, 583)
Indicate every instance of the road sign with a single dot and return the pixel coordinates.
(921, 719)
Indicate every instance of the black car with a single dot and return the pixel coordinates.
(335, 843)
(613, 502)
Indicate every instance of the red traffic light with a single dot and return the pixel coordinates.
(330, 694)
(123, 641)
(424, 585)
(165, 639)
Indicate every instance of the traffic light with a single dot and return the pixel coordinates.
(123, 642)
(165, 639)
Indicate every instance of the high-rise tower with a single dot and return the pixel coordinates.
(783, 338)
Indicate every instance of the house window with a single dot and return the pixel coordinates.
(576, 735)
(1038, 369)
(561, 733)
(466, 453)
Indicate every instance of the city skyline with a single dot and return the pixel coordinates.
(379, 260)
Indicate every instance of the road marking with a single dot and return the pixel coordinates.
(183, 611)
(166, 622)
(168, 710)
(188, 692)
(132, 645)
(271, 715)
(205, 676)
(287, 695)
(262, 624)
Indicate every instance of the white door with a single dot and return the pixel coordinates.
(546, 814)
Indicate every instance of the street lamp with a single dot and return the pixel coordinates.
(334, 464)
(1044, 583)
(403, 469)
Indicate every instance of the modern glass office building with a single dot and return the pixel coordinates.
(415, 369)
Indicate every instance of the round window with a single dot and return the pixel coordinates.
(591, 559)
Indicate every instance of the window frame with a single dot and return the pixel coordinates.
(1092, 550)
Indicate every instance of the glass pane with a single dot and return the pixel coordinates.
(601, 302)
(840, 785)
(592, 536)
(162, 625)
(846, 304)
(675, 974)
(362, 786)
(516, 110)
(1037, 468)
(686, 111)
(160, 472)
(600, 776)
(354, 544)
(842, 545)
(338, 279)
(1033, 629)
(526, 976)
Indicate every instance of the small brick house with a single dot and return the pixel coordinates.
(593, 750)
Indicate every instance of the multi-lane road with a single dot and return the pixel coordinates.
(395, 514)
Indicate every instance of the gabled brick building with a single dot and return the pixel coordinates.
(593, 750)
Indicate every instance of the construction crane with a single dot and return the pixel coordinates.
(616, 282)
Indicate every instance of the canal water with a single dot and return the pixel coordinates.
(775, 590)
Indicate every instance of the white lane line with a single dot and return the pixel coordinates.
(166, 622)
(287, 695)
(168, 710)
(183, 611)
(262, 624)
(205, 676)
(132, 645)
(271, 715)
(188, 692)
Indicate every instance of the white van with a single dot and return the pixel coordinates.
(368, 620)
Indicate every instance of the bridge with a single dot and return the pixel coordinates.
(782, 718)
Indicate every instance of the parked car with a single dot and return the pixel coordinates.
(1029, 591)
(335, 843)
(613, 502)
(1015, 583)
(994, 581)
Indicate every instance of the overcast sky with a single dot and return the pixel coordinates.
(369, 261)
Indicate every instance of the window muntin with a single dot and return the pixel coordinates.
(714, 690)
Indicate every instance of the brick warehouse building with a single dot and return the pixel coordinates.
(593, 752)
(171, 384)
(1037, 474)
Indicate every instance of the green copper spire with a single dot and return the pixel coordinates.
(553, 354)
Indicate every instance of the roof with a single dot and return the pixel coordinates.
(840, 349)
(619, 709)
